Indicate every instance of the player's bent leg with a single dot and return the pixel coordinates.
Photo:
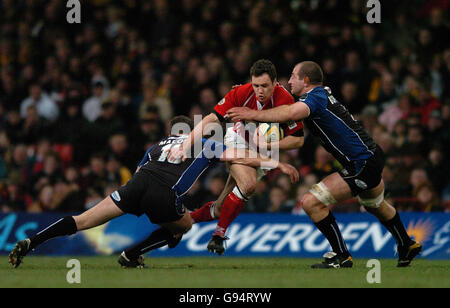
(104, 211)
(180, 226)
(329, 191)
(246, 180)
(211, 210)
(374, 202)
(169, 234)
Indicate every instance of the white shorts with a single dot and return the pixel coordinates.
(236, 140)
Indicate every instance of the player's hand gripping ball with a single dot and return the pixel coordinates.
(270, 132)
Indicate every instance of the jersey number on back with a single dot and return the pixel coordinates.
(165, 152)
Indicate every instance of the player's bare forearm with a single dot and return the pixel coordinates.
(288, 143)
(198, 131)
(281, 114)
(246, 157)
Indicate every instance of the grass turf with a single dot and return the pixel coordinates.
(219, 272)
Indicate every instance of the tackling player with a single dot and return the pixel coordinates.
(362, 159)
(157, 190)
(262, 93)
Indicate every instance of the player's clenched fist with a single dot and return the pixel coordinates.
(240, 113)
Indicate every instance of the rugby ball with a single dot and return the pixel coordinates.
(271, 132)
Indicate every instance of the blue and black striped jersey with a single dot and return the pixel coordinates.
(180, 176)
(340, 134)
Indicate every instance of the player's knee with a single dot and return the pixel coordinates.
(309, 203)
(81, 222)
(248, 187)
(371, 203)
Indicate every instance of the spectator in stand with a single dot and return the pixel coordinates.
(95, 176)
(13, 126)
(426, 104)
(369, 118)
(279, 201)
(51, 172)
(438, 170)
(34, 127)
(45, 106)
(387, 93)
(13, 198)
(120, 148)
(428, 199)
(324, 163)
(116, 172)
(44, 200)
(395, 111)
(105, 126)
(92, 107)
(350, 97)
(418, 178)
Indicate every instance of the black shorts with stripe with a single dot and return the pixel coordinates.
(364, 175)
(144, 194)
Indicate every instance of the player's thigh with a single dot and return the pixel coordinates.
(98, 215)
(245, 177)
(337, 187)
(180, 226)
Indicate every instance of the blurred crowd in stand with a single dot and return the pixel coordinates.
(80, 103)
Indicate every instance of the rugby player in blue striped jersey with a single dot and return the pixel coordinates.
(362, 160)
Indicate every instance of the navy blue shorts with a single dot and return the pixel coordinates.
(364, 175)
(145, 194)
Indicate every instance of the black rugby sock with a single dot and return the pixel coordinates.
(159, 238)
(398, 231)
(64, 226)
(330, 230)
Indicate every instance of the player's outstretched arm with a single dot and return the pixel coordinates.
(252, 159)
(287, 143)
(197, 133)
(281, 114)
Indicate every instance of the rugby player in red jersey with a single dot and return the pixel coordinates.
(263, 92)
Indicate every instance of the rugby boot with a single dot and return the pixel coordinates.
(333, 260)
(407, 254)
(216, 244)
(19, 251)
(127, 263)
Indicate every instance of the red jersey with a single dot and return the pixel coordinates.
(244, 96)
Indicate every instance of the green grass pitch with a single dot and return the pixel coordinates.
(219, 272)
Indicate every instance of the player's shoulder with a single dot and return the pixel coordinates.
(280, 94)
(241, 92)
(244, 89)
(280, 89)
(318, 94)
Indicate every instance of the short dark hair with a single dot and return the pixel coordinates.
(312, 70)
(181, 119)
(263, 66)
